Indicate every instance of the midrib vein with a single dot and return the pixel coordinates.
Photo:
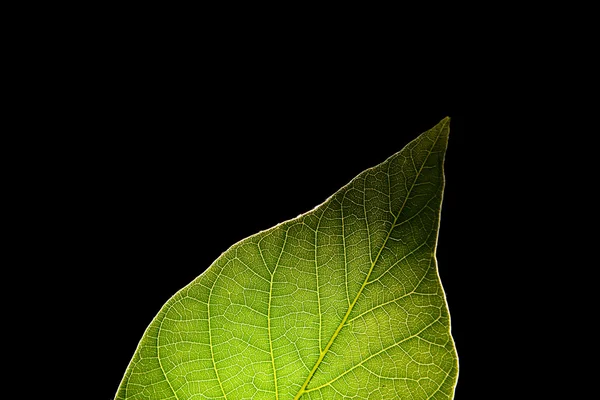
(364, 284)
(376, 354)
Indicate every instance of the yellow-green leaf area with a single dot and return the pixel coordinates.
(341, 302)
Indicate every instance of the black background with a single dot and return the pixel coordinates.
(179, 154)
(141, 143)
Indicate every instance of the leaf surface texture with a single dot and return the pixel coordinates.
(341, 302)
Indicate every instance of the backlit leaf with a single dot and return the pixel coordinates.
(341, 302)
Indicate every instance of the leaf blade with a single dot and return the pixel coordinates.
(321, 306)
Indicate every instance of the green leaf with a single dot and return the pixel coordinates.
(344, 301)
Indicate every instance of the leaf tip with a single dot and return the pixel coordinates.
(444, 125)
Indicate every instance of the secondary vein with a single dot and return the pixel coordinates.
(162, 369)
(317, 279)
(212, 353)
(269, 311)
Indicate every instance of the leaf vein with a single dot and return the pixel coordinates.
(373, 262)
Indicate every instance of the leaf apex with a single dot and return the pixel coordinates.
(444, 120)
